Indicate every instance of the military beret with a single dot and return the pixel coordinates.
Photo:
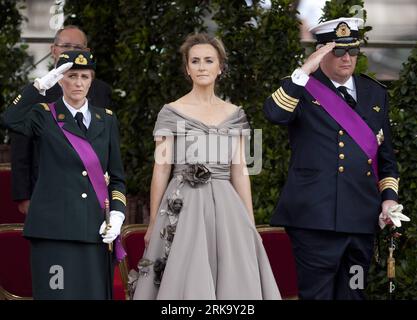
(343, 31)
(80, 59)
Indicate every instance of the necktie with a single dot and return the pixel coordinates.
(348, 98)
(79, 118)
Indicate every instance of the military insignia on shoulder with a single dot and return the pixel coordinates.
(98, 116)
(108, 111)
(81, 60)
(64, 56)
(316, 102)
(370, 78)
(61, 116)
(376, 108)
(45, 106)
(17, 99)
(342, 30)
(380, 137)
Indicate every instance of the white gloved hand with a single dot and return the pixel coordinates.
(51, 78)
(116, 222)
(394, 214)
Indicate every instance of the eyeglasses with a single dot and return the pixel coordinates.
(341, 51)
(70, 46)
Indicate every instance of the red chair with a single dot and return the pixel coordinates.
(278, 248)
(8, 208)
(132, 237)
(118, 286)
(15, 273)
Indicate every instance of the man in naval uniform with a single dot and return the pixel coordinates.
(343, 174)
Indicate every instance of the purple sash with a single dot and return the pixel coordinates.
(94, 171)
(354, 125)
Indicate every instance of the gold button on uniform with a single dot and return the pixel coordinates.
(341, 156)
(341, 133)
(341, 144)
(84, 173)
(341, 169)
(368, 173)
(370, 161)
(84, 195)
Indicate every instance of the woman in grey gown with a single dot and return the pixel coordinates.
(202, 242)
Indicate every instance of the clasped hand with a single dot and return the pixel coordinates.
(109, 232)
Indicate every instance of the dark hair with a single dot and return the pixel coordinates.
(71, 27)
(203, 38)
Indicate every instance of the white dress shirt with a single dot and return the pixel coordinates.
(84, 110)
(300, 78)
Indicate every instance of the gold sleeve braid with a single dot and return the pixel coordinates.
(284, 101)
(389, 182)
(117, 195)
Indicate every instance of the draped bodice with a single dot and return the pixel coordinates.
(215, 146)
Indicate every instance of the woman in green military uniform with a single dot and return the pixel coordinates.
(80, 165)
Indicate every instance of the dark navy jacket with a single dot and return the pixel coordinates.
(331, 185)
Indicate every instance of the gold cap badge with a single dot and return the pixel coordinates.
(81, 60)
(342, 30)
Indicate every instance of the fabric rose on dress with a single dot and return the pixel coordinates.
(159, 268)
(175, 204)
(132, 280)
(143, 266)
(168, 232)
(196, 174)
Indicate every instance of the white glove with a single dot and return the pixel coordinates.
(116, 221)
(51, 78)
(394, 213)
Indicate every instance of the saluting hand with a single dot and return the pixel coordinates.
(51, 78)
(313, 61)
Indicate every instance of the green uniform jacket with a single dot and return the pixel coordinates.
(64, 205)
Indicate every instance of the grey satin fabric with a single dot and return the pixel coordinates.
(217, 252)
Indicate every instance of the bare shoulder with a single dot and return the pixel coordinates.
(230, 107)
(178, 104)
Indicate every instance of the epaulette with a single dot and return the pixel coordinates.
(15, 101)
(108, 111)
(373, 79)
(45, 106)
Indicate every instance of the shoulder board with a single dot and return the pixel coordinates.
(108, 111)
(373, 79)
(45, 106)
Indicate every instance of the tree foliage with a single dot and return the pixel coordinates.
(14, 62)
(403, 102)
